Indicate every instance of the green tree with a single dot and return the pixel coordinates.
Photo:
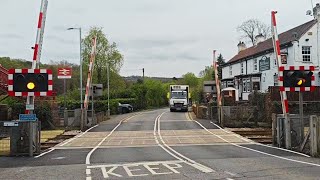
(190, 79)
(221, 61)
(106, 52)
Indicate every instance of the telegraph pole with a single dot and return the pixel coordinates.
(143, 73)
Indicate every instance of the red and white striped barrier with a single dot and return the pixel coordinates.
(26, 71)
(276, 45)
(89, 79)
(215, 66)
(296, 68)
(40, 31)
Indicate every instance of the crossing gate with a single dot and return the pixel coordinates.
(302, 137)
(16, 139)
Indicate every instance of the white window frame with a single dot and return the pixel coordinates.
(306, 53)
(230, 70)
(255, 65)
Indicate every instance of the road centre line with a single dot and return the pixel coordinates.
(174, 153)
(257, 151)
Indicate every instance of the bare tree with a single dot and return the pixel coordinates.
(253, 27)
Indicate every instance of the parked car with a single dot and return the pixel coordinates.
(125, 108)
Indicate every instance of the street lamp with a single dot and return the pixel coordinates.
(81, 95)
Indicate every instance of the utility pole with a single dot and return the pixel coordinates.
(108, 83)
(143, 73)
(64, 88)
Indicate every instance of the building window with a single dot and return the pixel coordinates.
(230, 70)
(246, 85)
(255, 65)
(230, 84)
(306, 53)
(241, 68)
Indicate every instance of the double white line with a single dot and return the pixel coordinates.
(159, 140)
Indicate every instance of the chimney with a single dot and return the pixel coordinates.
(259, 38)
(241, 46)
(316, 12)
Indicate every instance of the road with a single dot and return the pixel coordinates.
(160, 145)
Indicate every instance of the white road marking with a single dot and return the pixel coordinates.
(152, 169)
(88, 178)
(44, 153)
(230, 173)
(129, 171)
(135, 163)
(88, 171)
(257, 151)
(97, 146)
(58, 158)
(106, 173)
(175, 154)
(68, 141)
(128, 168)
(287, 150)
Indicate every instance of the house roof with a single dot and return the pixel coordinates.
(285, 38)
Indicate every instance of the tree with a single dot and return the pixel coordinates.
(207, 74)
(105, 53)
(220, 63)
(190, 79)
(253, 27)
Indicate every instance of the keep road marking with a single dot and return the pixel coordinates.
(137, 169)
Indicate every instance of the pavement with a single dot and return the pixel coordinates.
(160, 144)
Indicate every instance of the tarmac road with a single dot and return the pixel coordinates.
(160, 145)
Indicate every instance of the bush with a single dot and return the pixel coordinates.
(102, 105)
(44, 114)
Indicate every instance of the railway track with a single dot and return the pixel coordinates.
(260, 135)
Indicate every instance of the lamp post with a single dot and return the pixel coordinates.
(81, 93)
(81, 100)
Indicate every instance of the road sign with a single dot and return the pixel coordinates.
(30, 107)
(10, 124)
(97, 89)
(27, 117)
(64, 73)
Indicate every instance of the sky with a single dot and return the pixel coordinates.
(166, 37)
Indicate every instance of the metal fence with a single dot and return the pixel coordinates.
(19, 138)
(293, 135)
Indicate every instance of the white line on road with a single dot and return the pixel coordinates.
(176, 154)
(44, 153)
(257, 151)
(68, 141)
(96, 147)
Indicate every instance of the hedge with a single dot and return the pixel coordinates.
(102, 105)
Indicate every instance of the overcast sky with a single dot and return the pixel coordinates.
(167, 37)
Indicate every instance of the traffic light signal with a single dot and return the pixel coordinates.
(297, 78)
(30, 82)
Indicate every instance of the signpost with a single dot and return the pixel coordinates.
(10, 124)
(27, 117)
(64, 73)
